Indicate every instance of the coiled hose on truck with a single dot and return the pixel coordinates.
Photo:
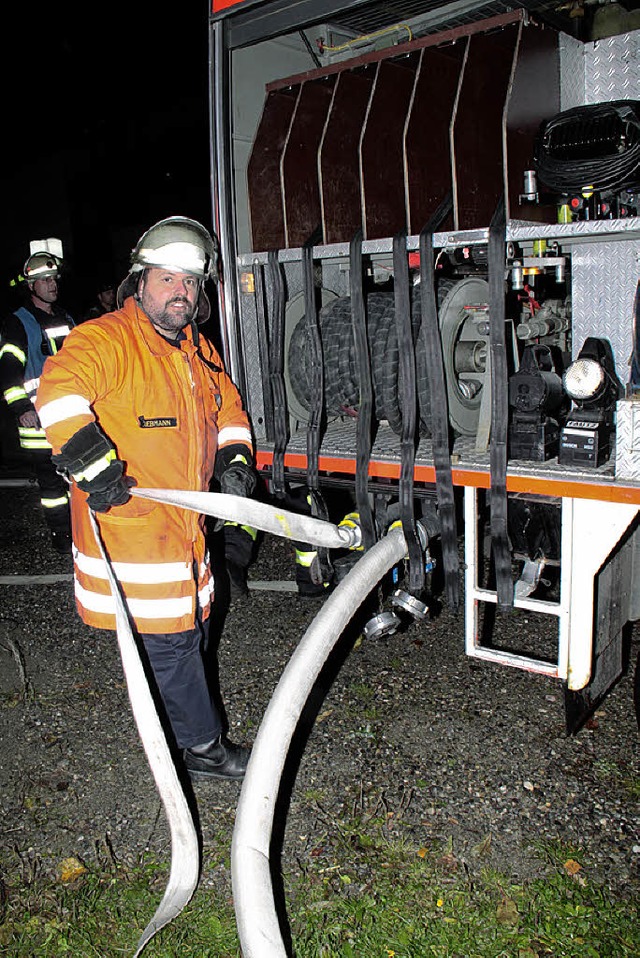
(342, 387)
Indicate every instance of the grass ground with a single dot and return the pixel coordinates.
(378, 898)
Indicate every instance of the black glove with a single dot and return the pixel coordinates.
(238, 479)
(235, 470)
(87, 449)
(110, 488)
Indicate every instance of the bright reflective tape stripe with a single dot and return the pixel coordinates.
(205, 595)
(139, 608)
(234, 434)
(54, 503)
(140, 573)
(14, 393)
(14, 351)
(65, 408)
(57, 331)
(305, 558)
(248, 529)
(31, 385)
(96, 468)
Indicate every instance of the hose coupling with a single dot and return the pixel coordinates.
(384, 623)
(350, 530)
(402, 599)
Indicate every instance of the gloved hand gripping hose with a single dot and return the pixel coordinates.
(90, 458)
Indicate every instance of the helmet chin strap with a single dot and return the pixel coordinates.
(195, 332)
(194, 319)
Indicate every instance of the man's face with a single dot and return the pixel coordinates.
(169, 299)
(107, 298)
(46, 290)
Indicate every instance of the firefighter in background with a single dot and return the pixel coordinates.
(30, 334)
(105, 301)
(139, 395)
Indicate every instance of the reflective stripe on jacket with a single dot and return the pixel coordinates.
(38, 338)
(167, 411)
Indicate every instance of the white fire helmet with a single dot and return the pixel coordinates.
(41, 265)
(179, 244)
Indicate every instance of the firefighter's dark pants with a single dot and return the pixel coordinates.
(54, 491)
(179, 670)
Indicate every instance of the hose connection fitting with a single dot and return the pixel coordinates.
(350, 530)
(402, 599)
(385, 623)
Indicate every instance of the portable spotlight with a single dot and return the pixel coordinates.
(592, 384)
(535, 392)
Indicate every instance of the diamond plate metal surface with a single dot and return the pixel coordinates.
(572, 67)
(613, 68)
(604, 280)
(601, 71)
(627, 455)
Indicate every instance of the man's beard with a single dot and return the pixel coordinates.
(170, 321)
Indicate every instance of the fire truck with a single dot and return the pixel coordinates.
(429, 225)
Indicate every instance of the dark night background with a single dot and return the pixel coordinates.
(106, 131)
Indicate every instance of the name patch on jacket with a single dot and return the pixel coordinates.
(161, 422)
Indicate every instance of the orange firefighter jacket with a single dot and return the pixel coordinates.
(167, 409)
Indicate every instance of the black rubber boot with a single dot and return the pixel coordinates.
(217, 759)
(237, 580)
(61, 542)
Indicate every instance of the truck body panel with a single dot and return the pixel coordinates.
(320, 134)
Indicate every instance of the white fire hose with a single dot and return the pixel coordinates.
(185, 854)
(258, 926)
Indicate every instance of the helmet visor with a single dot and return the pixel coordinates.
(177, 257)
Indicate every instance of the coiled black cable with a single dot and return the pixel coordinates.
(593, 147)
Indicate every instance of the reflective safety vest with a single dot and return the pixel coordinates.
(167, 408)
(42, 341)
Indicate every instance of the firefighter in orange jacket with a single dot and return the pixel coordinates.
(138, 396)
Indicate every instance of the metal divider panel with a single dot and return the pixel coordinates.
(535, 97)
(426, 140)
(381, 148)
(299, 167)
(477, 129)
(613, 587)
(263, 170)
(338, 166)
